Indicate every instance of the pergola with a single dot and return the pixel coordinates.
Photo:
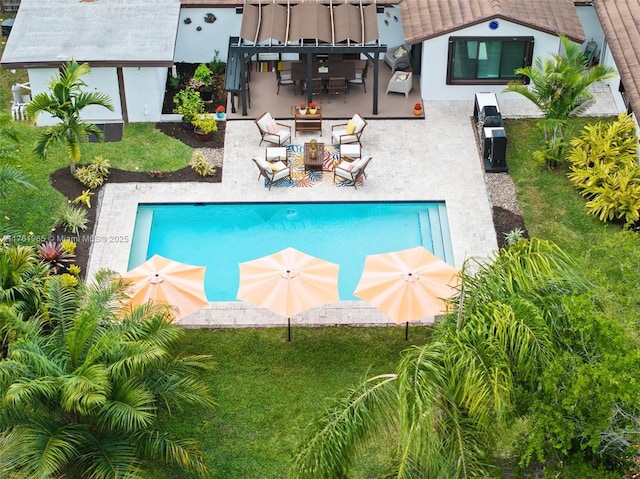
(307, 29)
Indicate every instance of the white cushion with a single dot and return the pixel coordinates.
(359, 122)
(340, 136)
(402, 77)
(400, 52)
(264, 122)
(263, 164)
(278, 166)
(346, 165)
(281, 174)
(276, 152)
(273, 127)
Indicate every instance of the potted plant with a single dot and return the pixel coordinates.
(188, 104)
(313, 108)
(204, 126)
(302, 108)
(417, 109)
(202, 78)
(220, 111)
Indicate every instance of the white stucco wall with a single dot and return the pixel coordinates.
(391, 31)
(433, 79)
(103, 80)
(193, 46)
(144, 89)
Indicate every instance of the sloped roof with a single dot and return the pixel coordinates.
(101, 32)
(424, 19)
(620, 20)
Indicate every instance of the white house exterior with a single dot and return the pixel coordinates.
(132, 44)
(433, 84)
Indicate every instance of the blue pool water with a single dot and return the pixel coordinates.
(220, 236)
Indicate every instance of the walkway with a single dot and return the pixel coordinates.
(433, 160)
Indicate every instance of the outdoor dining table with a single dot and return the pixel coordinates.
(347, 70)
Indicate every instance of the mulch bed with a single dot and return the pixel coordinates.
(72, 188)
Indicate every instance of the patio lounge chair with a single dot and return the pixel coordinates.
(350, 132)
(352, 170)
(272, 172)
(398, 57)
(272, 131)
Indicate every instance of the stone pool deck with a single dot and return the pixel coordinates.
(434, 159)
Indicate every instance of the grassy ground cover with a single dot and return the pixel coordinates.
(143, 148)
(268, 390)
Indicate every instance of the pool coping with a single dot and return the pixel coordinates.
(426, 169)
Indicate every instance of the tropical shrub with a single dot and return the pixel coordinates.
(22, 276)
(72, 219)
(74, 269)
(92, 175)
(68, 246)
(82, 400)
(604, 167)
(68, 280)
(217, 65)
(451, 400)
(188, 103)
(205, 123)
(54, 254)
(202, 77)
(84, 198)
(202, 166)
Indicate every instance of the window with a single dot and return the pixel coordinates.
(487, 60)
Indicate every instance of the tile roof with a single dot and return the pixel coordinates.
(104, 32)
(240, 3)
(424, 19)
(620, 20)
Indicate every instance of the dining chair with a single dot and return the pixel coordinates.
(317, 86)
(361, 75)
(337, 85)
(284, 78)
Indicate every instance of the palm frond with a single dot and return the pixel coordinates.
(331, 440)
(160, 446)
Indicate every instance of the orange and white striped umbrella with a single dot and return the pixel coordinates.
(288, 282)
(407, 285)
(166, 281)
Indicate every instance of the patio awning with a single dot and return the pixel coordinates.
(333, 24)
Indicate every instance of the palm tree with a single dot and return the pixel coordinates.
(560, 86)
(449, 400)
(82, 400)
(65, 101)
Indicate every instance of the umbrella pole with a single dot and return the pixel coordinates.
(406, 331)
(288, 329)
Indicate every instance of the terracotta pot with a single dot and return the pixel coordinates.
(201, 135)
(417, 112)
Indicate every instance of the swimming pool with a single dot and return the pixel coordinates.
(222, 235)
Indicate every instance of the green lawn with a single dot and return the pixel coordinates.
(268, 390)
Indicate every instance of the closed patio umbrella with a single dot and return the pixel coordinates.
(288, 282)
(166, 281)
(407, 285)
